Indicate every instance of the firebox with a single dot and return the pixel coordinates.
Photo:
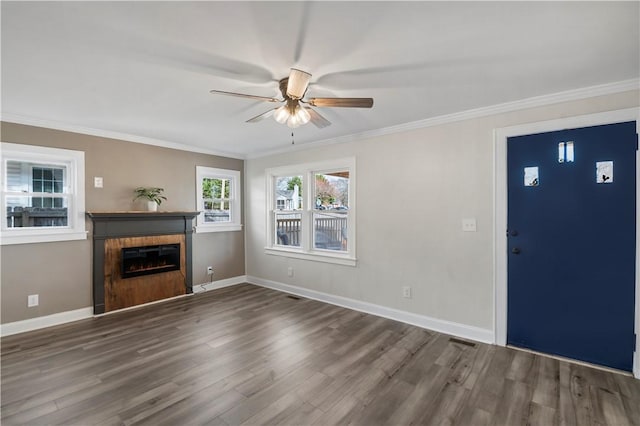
(147, 260)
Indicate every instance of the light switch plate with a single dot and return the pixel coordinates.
(97, 182)
(469, 225)
(32, 300)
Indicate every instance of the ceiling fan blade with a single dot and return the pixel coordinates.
(318, 120)
(342, 102)
(262, 116)
(242, 95)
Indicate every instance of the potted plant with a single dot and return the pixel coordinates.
(153, 196)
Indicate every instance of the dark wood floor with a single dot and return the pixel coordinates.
(249, 355)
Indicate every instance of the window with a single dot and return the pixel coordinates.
(218, 198)
(565, 152)
(331, 211)
(311, 211)
(42, 194)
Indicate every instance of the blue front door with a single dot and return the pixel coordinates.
(572, 243)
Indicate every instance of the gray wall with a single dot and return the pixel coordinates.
(60, 272)
(438, 176)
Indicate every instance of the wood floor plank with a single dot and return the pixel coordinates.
(540, 415)
(418, 402)
(566, 407)
(513, 407)
(267, 396)
(546, 388)
(383, 405)
(251, 355)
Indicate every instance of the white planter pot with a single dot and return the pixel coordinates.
(152, 206)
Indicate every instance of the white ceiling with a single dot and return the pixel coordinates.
(144, 69)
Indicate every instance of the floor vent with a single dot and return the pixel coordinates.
(462, 342)
(293, 297)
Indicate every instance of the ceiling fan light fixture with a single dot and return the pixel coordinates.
(303, 115)
(281, 115)
(298, 117)
(293, 121)
(298, 83)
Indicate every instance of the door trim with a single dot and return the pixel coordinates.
(500, 209)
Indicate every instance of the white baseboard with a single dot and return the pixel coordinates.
(200, 288)
(45, 321)
(442, 326)
(84, 313)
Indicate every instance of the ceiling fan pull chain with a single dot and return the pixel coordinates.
(292, 141)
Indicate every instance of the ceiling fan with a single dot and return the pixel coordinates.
(297, 111)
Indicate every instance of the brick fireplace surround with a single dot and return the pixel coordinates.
(115, 233)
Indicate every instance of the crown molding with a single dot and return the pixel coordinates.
(537, 101)
(55, 125)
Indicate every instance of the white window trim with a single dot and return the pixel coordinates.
(306, 250)
(235, 224)
(74, 161)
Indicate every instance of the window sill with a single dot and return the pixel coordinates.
(201, 229)
(336, 259)
(12, 237)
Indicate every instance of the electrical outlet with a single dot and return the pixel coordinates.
(32, 300)
(209, 270)
(290, 271)
(469, 225)
(98, 182)
(406, 292)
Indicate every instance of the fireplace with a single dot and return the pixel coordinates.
(140, 257)
(149, 260)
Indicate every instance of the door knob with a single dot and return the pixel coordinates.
(515, 250)
(513, 233)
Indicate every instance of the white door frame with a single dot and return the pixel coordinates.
(500, 226)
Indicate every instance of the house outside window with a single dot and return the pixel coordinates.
(312, 211)
(42, 194)
(218, 198)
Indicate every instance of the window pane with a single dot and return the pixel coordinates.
(287, 229)
(217, 211)
(332, 191)
(215, 188)
(332, 198)
(330, 230)
(288, 193)
(47, 179)
(36, 212)
(217, 205)
(16, 182)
